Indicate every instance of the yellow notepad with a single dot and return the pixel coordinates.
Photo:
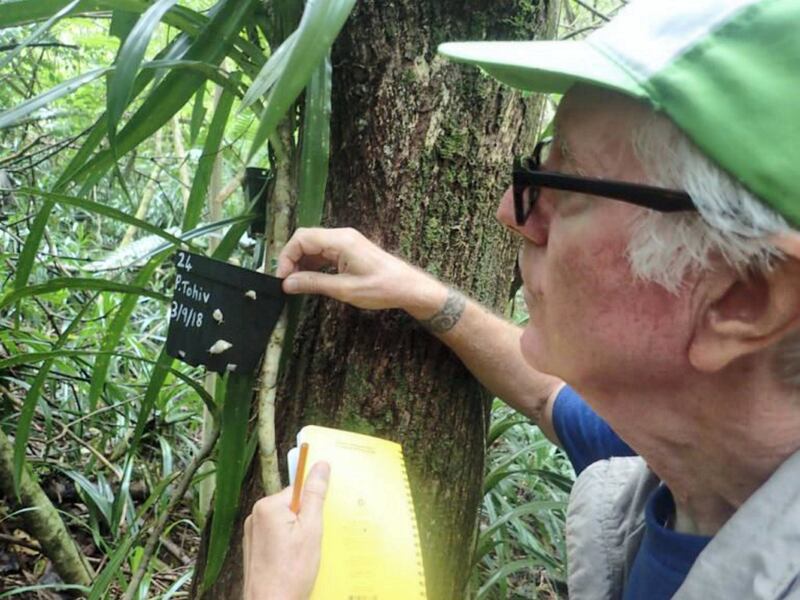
(370, 542)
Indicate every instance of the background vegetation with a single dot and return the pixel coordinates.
(101, 170)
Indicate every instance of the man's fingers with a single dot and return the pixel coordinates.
(336, 286)
(311, 242)
(248, 537)
(314, 490)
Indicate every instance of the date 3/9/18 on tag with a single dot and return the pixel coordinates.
(221, 315)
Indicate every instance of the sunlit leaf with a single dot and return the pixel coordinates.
(59, 284)
(13, 115)
(129, 59)
(105, 210)
(37, 33)
(205, 166)
(322, 20)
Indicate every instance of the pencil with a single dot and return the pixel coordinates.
(299, 475)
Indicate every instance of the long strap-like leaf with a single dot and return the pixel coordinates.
(23, 428)
(205, 166)
(115, 329)
(13, 115)
(231, 457)
(177, 87)
(37, 33)
(59, 284)
(129, 60)
(105, 210)
(322, 20)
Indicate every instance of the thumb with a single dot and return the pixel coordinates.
(310, 282)
(314, 490)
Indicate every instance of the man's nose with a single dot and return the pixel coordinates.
(535, 228)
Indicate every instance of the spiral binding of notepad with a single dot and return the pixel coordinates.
(422, 593)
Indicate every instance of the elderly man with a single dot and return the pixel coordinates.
(661, 266)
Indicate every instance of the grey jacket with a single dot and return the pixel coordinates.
(756, 554)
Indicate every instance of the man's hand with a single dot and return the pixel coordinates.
(369, 277)
(282, 549)
(366, 276)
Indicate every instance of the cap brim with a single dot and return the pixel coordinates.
(551, 67)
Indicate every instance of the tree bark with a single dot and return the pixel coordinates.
(421, 152)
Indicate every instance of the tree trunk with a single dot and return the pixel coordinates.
(421, 152)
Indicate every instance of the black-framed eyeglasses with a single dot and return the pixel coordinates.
(528, 175)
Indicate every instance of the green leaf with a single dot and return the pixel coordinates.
(105, 210)
(115, 329)
(269, 73)
(94, 493)
(123, 548)
(228, 243)
(313, 175)
(315, 147)
(231, 457)
(122, 22)
(23, 428)
(122, 498)
(76, 283)
(37, 33)
(165, 366)
(13, 115)
(321, 22)
(198, 114)
(179, 583)
(176, 89)
(500, 427)
(158, 375)
(28, 254)
(205, 166)
(238, 225)
(122, 80)
(213, 72)
(21, 12)
(526, 509)
(504, 572)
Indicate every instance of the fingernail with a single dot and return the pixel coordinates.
(322, 470)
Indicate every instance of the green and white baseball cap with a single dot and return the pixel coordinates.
(727, 72)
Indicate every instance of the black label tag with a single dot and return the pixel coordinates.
(221, 315)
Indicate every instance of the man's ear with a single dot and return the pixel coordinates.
(744, 315)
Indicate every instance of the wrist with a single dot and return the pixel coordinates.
(425, 297)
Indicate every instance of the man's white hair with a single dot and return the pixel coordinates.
(731, 223)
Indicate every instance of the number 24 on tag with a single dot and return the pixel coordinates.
(184, 261)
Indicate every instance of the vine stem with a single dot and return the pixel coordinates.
(177, 495)
(281, 208)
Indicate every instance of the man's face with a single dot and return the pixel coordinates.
(591, 322)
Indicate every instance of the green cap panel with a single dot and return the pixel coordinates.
(736, 95)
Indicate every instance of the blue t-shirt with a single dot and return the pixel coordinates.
(665, 556)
